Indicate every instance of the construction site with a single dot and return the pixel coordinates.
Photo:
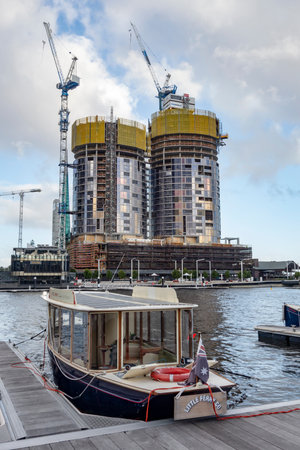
(146, 196)
(162, 188)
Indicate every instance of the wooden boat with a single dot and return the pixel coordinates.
(106, 348)
(291, 315)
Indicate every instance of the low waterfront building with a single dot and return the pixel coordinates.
(274, 269)
(160, 256)
(39, 264)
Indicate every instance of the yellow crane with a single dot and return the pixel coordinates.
(21, 194)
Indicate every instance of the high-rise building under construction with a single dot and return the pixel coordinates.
(185, 171)
(154, 198)
(109, 178)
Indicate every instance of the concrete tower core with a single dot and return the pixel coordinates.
(185, 175)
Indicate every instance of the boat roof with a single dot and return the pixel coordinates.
(142, 298)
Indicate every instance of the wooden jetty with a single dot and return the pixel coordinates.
(43, 420)
(279, 334)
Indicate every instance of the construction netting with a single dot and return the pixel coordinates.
(131, 134)
(174, 121)
(88, 130)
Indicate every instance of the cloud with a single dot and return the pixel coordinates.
(239, 59)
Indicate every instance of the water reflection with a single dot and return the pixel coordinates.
(226, 319)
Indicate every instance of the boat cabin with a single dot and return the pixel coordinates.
(106, 331)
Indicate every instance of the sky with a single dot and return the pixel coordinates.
(239, 58)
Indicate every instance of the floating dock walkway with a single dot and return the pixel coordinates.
(36, 418)
(279, 334)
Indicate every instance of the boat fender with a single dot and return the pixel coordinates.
(128, 366)
(170, 374)
(185, 361)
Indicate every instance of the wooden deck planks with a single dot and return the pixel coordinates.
(242, 433)
(37, 408)
(188, 434)
(226, 434)
(121, 440)
(42, 415)
(104, 442)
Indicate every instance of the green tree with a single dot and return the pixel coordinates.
(87, 274)
(247, 274)
(214, 275)
(194, 274)
(176, 274)
(121, 274)
(109, 274)
(205, 275)
(297, 275)
(227, 275)
(134, 274)
(95, 274)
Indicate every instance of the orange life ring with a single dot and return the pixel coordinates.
(170, 374)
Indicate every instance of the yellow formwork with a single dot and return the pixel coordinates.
(174, 121)
(90, 130)
(131, 136)
(98, 132)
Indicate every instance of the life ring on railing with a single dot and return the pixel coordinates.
(170, 374)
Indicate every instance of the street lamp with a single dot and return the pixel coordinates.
(242, 267)
(209, 266)
(182, 267)
(198, 260)
(175, 265)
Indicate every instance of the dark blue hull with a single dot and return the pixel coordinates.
(94, 396)
(291, 316)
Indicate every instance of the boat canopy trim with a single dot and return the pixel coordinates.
(108, 301)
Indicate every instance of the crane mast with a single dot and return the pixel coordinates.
(162, 92)
(21, 194)
(71, 82)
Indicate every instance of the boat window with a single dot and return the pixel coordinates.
(149, 337)
(104, 334)
(80, 338)
(65, 337)
(54, 325)
(187, 341)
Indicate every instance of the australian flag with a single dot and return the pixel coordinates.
(200, 368)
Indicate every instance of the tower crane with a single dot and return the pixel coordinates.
(65, 85)
(21, 194)
(162, 92)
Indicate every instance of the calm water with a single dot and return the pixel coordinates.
(226, 318)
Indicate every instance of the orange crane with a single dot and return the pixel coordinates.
(21, 194)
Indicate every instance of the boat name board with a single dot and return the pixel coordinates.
(191, 406)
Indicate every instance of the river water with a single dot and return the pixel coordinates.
(263, 373)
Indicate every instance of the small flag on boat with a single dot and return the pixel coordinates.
(200, 368)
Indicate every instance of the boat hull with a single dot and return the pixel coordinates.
(291, 316)
(93, 395)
